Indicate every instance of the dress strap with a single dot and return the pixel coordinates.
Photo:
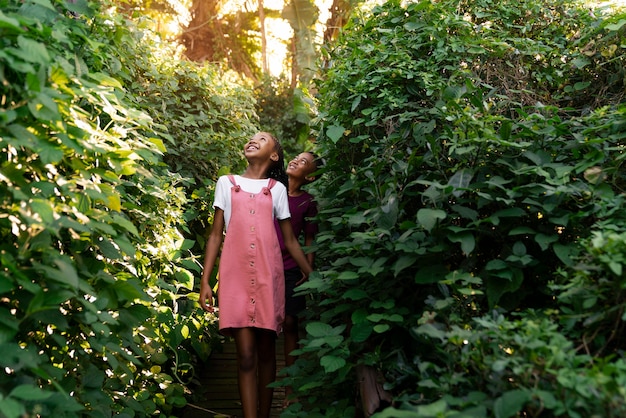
(235, 187)
(271, 183)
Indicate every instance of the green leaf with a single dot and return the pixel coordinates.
(355, 102)
(414, 25)
(511, 403)
(64, 273)
(505, 130)
(496, 264)
(616, 26)
(377, 317)
(184, 331)
(29, 393)
(10, 23)
(581, 62)
(519, 249)
(107, 80)
(319, 329)
(6, 284)
(431, 331)
(582, 85)
(332, 363)
(460, 181)
(616, 268)
(44, 209)
(498, 286)
(348, 275)
(335, 132)
(396, 413)
(31, 50)
(428, 217)
(563, 252)
(538, 158)
(468, 243)
(127, 225)
(360, 332)
(44, 3)
(359, 316)
(108, 248)
(129, 291)
(8, 322)
(547, 397)
(10, 408)
(434, 409)
(44, 107)
(522, 230)
(402, 263)
(465, 212)
(381, 328)
(80, 7)
(185, 278)
(355, 294)
(453, 92)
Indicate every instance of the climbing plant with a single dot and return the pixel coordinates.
(470, 159)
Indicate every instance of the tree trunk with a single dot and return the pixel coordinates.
(264, 64)
(199, 36)
(339, 12)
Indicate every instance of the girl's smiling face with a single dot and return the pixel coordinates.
(262, 144)
(302, 165)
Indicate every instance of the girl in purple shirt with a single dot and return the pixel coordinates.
(303, 209)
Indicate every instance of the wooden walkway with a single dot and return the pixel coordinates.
(219, 394)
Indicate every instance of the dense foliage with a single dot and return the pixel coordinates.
(285, 112)
(96, 267)
(473, 238)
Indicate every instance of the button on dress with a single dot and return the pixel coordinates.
(251, 291)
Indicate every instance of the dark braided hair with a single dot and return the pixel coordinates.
(277, 171)
(319, 161)
(319, 164)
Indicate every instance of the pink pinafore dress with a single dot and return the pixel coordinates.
(251, 290)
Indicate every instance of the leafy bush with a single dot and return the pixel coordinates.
(96, 269)
(501, 367)
(467, 159)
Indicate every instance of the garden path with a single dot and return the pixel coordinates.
(219, 396)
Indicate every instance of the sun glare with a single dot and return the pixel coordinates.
(279, 32)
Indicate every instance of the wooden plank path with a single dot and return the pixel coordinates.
(218, 395)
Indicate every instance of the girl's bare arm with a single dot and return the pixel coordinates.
(294, 248)
(213, 246)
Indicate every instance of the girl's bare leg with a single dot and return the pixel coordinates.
(245, 342)
(266, 343)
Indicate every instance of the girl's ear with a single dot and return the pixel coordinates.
(274, 156)
(310, 179)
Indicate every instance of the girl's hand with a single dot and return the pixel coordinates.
(302, 280)
(206, 297)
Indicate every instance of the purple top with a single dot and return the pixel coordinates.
(302, 208)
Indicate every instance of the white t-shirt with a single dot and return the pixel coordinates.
(223, 187)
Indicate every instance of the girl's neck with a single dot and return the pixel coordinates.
(295, 188)
(255, 172)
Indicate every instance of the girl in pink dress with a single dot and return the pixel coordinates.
(251, 293)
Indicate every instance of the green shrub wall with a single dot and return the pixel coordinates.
(474, 149)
